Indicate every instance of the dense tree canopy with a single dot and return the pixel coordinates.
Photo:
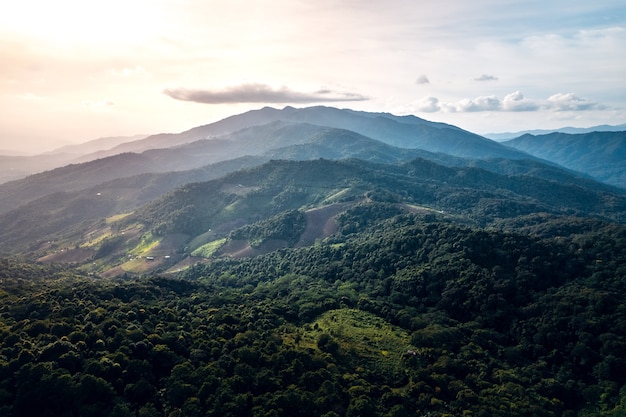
(405, 316)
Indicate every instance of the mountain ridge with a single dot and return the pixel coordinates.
(289, 126)
(599, 154)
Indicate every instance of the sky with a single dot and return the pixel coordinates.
(76, 70)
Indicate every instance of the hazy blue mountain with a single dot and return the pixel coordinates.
(401, 131)
(209, 131)
(601, 155)
(14, 167)
(405, 132)
(291, 139)
(571, 130)
(72, 177)
(96, 145)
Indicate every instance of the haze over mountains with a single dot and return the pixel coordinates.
(307, 132)
(132, 173)
(503, 136)
(407, 132)
(601, 155)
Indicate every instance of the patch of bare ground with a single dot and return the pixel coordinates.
(169, 245)
(321, 223)
(241, 248)
(76, 255)
(113, 272)
(185, 263)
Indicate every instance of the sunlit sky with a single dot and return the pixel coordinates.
(76, 70)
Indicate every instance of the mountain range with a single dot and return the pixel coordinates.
(406, 131)
(504, 179)
(317, 262)
(271, 132)
(601, 155)
(500, 137)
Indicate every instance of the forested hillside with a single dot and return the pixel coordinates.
(601, 155)
(404, 316)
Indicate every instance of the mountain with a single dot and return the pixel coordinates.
(500, 137)
(14, 167)
(395, 139)
(406, 132)
(602, 155)
(96, 145)
(478, 196)
(286, 267)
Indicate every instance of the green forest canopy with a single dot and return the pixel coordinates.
(405, 316)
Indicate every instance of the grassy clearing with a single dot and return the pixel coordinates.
(147, 243)
(94, 240)
(208, 249)
(139, 265)
(336, 196)
(363, 334)
(116, 218)
(202, 239)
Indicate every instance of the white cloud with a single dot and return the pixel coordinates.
(571, 102)
(428, 105)
(482, 103)
(513, 102)
(517, 102)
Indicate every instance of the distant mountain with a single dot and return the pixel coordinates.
(296, 138)
(602, 155)
(401, 131)
(15, 166)
(571, 130)
(96, 145)
(72, 177)
(405, 132)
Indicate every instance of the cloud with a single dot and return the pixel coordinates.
(428, 105)
(260, 93)
(517, 102)
(422, 79)
(513, 102)
(486, 77)
(482, 103)
(571, 102)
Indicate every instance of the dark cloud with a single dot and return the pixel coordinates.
(260, 93)
(486, 77)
